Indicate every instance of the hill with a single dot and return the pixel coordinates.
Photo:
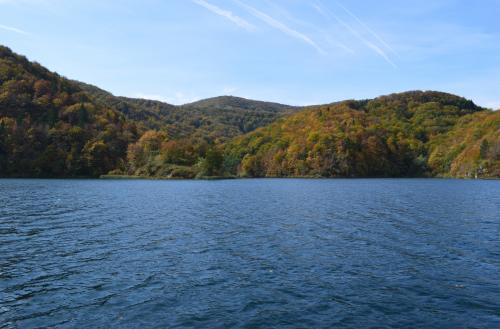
(470, 149)
(218, 118)
(51, 126)
(410, 134)
(232, 103)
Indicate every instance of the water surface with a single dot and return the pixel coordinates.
(250, 253)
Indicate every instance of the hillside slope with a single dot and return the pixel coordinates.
(218, 118)
(49, 127)
(54, 127)
(470, 149)
(410, 134)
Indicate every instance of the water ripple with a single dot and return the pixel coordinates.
(249, 253)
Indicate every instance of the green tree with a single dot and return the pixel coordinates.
(211, 165)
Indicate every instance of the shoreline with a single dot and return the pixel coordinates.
(213, 178)
(131, 177)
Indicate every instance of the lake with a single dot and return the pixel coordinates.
(261, 253)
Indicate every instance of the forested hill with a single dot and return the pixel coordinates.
(402, 135)
(54, 127)
(217, 118)
(231, 103)
(51, 126)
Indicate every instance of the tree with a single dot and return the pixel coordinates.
(146, 149)
(250, 166)
(483, 148)
(211, 165)
(98, 158)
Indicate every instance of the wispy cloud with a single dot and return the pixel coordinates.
(281, 26)
(327, 37)
(227, 90)
(25, 2)
(226, 14)
(178, 98)
(330, 15)
(495, 105)
(367, 28)
(379, 51)
(13, 29)
(153, 97)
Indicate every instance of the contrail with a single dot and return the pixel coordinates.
(13, 29)
(381, 53)
(226, 14)
(328, 14)
(373, 33)
(328, 38)
(281, 26)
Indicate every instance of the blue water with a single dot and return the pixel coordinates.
(250, 253)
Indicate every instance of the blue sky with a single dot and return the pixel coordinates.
(291, 51)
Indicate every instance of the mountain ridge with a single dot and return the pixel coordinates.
(51, 126)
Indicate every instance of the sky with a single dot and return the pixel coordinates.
(297, 52)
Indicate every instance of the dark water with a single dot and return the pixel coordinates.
(249, 253)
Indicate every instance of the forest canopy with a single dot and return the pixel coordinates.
(51, 126)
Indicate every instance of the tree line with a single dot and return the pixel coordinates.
(54, 127)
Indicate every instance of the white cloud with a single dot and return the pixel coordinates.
(325, 35)
(328, 14)
(495, 105)
(13, 29)
(25, 2)
(177, 98)
(367, 28)
(229, 90)
(281, 26)
(226, 14)
(153, 97)
(380, 52)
